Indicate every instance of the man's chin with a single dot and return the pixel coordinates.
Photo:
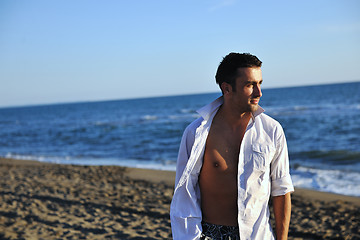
(253, 107)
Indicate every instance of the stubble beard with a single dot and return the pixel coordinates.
(253, 108)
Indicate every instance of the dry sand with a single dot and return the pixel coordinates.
(50, 201)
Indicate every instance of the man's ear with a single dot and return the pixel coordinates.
(226, 88)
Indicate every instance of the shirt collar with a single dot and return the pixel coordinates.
(257, 113)
(206, 111)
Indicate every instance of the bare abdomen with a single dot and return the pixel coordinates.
(218, 186)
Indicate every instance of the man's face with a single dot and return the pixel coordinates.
(247, 92)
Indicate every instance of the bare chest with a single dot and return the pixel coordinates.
(222, 149)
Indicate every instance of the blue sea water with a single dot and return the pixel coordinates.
(321, 123)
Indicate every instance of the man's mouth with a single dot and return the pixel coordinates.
(254, 101)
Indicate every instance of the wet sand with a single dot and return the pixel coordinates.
(52, 201)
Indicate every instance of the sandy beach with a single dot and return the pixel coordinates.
(51, 201)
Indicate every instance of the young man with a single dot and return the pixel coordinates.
(230, 161)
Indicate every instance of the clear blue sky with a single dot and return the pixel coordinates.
(67, 51)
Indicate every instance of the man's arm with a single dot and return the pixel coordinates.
(282, 212)
(184, 223)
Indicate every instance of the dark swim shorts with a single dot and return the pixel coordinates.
(219, 232)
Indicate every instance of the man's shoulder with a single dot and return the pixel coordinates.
(267, 118)
(194, 125)
(268, 121)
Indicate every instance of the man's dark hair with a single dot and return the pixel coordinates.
(228, 68)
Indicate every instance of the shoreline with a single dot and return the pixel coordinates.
(168, 177)
(55, 201)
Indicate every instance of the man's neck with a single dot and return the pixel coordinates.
(232, 118)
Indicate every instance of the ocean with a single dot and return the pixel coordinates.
(321, 123)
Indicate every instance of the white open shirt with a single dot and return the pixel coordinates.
(263, 170)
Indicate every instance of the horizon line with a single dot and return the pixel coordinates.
(158, 96)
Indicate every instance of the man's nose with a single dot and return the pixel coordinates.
(257, 91)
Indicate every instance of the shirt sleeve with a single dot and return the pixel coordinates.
(184, 223)
(184, 153)
(281, 182)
